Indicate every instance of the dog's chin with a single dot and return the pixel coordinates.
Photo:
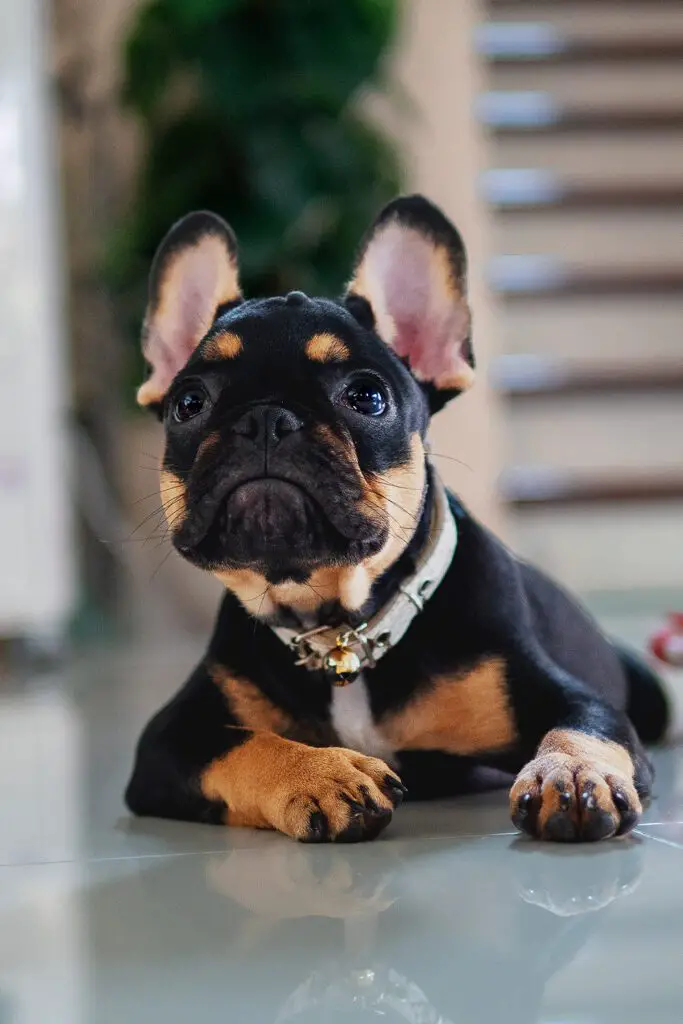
(275, 527)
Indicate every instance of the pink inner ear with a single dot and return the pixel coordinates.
(196, 306)
(430, 315)
(190, 295)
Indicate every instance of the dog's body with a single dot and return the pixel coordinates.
(295, 470)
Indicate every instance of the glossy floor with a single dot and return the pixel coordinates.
(447, 918)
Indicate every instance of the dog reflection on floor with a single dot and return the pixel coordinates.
(497, 933)
(449, 931)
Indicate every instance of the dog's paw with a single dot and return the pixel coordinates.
(564, 799)
(335, 795)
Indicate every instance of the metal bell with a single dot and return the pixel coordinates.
(343, 664)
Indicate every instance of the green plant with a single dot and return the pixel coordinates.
(248, 108)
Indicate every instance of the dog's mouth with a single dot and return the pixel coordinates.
(275, 525)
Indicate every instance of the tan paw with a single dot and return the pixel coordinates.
(564, 799)
(334, 794)
(315, 794)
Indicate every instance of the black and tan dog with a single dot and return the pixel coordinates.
(295, 470)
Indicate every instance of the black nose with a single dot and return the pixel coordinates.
(267, 424)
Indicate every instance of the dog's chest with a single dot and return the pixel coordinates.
(353, 723)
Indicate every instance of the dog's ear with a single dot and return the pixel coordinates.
(194, 276)
(412, 273)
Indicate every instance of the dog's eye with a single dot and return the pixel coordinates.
(366, 397)
(189, 403)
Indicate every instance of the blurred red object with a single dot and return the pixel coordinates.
(667, 643)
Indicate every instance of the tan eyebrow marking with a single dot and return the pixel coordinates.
(224, 346)
(325, 348)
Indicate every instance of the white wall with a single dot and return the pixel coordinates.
(36, 569)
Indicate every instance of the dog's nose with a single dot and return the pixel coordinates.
(267, 424)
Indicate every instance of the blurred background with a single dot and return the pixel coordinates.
(552, 134)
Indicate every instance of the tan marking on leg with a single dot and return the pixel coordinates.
(460, 715)
(590, 750)
(326, 348)
(271, 782)
(173, 497)
(250, 705)
(223, 346)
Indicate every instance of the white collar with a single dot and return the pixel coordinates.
(344, 651)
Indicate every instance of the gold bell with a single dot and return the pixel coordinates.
(343, 664)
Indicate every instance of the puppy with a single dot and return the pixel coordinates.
(373, 638)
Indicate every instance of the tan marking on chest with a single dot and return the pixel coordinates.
(326, 348)
(249, 705)
(223, 346)
(469, 714)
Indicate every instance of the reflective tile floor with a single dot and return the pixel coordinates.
(448, 918)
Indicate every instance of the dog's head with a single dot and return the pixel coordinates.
(294, 465)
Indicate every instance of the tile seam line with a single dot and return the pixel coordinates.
(207, 853)
(659, 839)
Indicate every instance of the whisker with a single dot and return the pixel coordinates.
(400, 526)
(161, 565)
(258, 614)
(161, 510)
(321, 597)
(154, 494)
(257, 596)
(451, 458)
(411, 515)
(404, 487)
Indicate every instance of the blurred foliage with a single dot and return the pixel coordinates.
(248, 109)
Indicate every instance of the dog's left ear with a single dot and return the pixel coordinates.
(412, 273)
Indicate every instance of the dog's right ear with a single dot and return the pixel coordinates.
(194, 276)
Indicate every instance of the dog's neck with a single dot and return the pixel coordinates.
(335, 612)
(345, 647)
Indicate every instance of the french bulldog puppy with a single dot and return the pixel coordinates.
(374, 638)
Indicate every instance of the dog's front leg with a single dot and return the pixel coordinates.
(314, 794)
(197, 760)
